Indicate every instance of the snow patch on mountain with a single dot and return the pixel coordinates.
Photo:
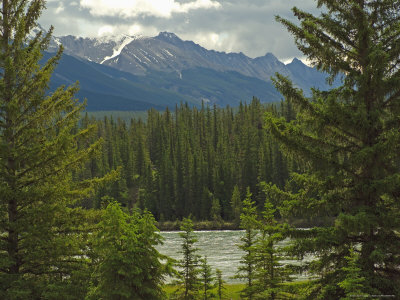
(38, 28)
(117, 50)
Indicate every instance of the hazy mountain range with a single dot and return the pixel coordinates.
(135, 72)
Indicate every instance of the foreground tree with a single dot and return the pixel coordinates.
(353, 283)
(350, 139)
(127, 265)
(40, 249)
(269, 273)
(250, 224)
(207, 278)
(189, 266)
(219, 284)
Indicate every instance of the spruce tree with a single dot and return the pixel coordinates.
(219, 284)
(215, 210)
(250, 224)
(189, 265)
(349, 138)
(269, 272)
(127, 265)
(40, 247)
(236, 205)
(207, 279)
(353, 283)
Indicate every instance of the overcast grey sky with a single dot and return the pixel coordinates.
(246, 26)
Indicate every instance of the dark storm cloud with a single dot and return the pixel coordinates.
(246, 26)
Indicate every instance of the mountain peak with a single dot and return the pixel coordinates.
(297, 61)
(116, 38)
(270, 55)
(168, 37)
(35, 30)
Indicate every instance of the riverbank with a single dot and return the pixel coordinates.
(198, 225)
(226, 225)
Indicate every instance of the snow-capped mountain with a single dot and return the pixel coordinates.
(123, 72)
(166, 52)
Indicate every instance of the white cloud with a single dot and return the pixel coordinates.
(132, 8)
(212, 40)
(60, 8)
(105, 30)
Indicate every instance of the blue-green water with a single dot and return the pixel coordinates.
(220, 247)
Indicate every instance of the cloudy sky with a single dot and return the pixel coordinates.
(246, 26)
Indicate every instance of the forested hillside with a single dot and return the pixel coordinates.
(184, 161)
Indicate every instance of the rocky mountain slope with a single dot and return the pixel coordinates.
(167, 53)
(135, 72)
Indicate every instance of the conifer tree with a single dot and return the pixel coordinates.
(127, 265)
(353, 283)
(349, 138)
(215, 211)
(269, 271)
(219, 284)
(250, 224)
(207, 279)
(189, 265)
(40, 248)
(236, 205)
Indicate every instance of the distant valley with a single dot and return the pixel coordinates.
(137, 73)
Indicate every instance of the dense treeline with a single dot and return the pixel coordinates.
(187, 162)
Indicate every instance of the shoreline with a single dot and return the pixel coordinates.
(228, 225)
(198, 225)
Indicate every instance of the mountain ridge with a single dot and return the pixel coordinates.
(166, 52)
(123, 72)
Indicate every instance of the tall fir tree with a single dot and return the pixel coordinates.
(127, 264)
(206, 278)
(39, 248)
(250, 224)
(269, 272)
(353, 283)
(219, 284)
(236, 205)
(188, 281)
(349, 137)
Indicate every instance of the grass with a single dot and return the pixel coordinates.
(291, 290)
(231, 292)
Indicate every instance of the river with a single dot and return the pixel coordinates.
(220, 247)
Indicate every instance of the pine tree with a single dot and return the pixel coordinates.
(236, 205)
(127, 265)
(250, 224)
(42, 245)
(353, 283)
(219, 284)
(215, 211)
(269, 271)
(207, 279)
(349, 138)
(189, 265)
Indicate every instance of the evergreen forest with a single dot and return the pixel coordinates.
(81, 198)
(187, 162)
